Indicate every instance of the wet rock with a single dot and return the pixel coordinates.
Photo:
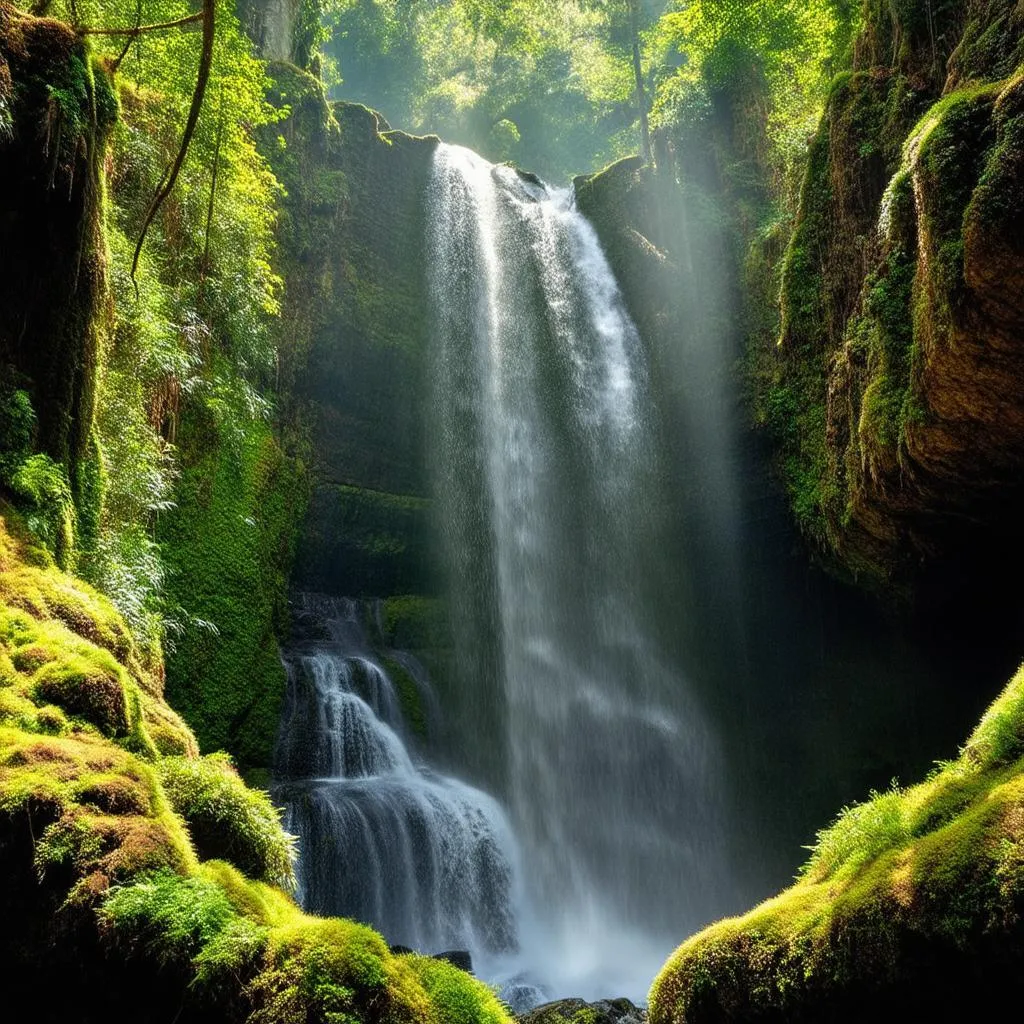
(457, 958)
(577, 1011)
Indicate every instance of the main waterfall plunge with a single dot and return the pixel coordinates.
(548, 495)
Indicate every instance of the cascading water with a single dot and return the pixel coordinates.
(426, 859)
(548, 492)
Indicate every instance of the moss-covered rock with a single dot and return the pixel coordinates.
(226, 819)
(894, 389)
(354, 317)
(909, 907)
(576, 1011)
(56, 109)
(107, 901)
(229, 544)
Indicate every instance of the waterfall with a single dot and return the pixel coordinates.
(549, 499)
(424, 858)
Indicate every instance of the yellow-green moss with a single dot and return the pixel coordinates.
(98, 826)
(904, 897)
(226, 819)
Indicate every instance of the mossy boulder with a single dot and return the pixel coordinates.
(226, 819)
(108, 901)
(910, 906)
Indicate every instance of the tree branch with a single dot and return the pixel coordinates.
(138, 30)
(128, 42)
(202, 78)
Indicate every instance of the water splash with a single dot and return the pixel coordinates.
(426, 859)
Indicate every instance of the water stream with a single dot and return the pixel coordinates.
(648, 700)
(549, 494)
(428, 860)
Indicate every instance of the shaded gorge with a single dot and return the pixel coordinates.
(642, 699)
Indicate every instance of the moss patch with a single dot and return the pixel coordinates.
(228, 546)
(909, 902)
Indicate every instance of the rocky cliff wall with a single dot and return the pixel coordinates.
(896, 385)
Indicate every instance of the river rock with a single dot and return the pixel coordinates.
(458, 958)
(577, 1011)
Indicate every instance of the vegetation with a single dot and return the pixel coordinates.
(106, 817)
(166, 286)
(226, 819)
(175, 397)
(901, 898)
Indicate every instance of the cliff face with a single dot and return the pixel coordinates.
(893, 392)
(285, 30)
(355, 309)
(896, 385)
(55, 112)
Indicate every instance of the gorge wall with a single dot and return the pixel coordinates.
(890, 383)
(895, 388)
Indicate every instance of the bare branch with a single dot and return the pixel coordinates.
(128, 42)
(202, 78)
(138, 30)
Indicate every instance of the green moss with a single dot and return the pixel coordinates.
(455, 998)
(229, 543)
(902, 897)
(409, 697)
(86, 689)
(226, 819)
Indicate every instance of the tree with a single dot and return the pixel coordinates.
(641, 92)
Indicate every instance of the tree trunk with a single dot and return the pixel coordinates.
(641, 92)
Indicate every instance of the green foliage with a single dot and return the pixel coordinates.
(198, 329)
(173, 916)
(711, 46)
(41, 487)
(17, 429)
(227, 820)
(456, 999)
(547, 84)
(860, 834)
(192, 345)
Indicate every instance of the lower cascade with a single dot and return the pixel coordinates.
(424, 858)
